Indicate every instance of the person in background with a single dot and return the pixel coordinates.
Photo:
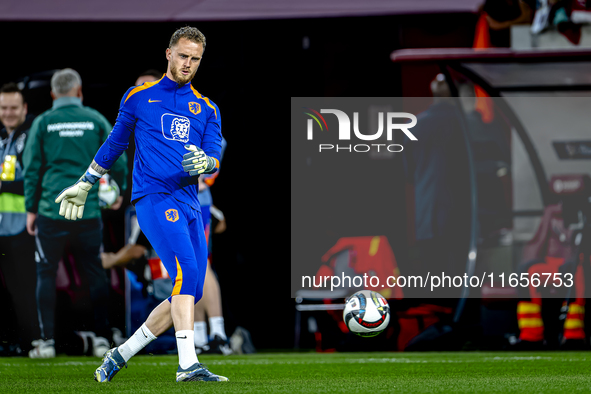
(17, 246)
(500, 15)
(60, 140)
(437, 165)
(150, 75)
(211, 303)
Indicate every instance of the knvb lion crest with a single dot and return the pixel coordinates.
(180, 129)
(176, 127)
(172, 215)
(194, 107)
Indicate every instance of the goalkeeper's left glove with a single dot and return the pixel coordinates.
(73, 198)
(196, 162)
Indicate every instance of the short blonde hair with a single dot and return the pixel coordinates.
(189, 33)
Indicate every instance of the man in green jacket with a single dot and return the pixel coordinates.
(59, 141)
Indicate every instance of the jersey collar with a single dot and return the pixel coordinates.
(65, 101)
(169, 83)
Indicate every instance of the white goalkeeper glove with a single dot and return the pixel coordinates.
(73, 198)
(196, 162)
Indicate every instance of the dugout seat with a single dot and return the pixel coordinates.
(553, 250)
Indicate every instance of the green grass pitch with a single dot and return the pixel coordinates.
(468, 372)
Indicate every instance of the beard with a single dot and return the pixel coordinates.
(179, 77)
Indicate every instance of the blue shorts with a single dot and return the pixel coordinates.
(176, 233)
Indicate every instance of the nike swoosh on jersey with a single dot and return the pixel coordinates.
(154, 101)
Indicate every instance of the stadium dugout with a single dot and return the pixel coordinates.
(514, 151)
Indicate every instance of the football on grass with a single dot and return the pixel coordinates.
(366, 313)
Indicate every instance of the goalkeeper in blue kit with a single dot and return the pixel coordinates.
(178, 137)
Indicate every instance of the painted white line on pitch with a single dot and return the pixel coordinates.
(520, 358)
(372, 360)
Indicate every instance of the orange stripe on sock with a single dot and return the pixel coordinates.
(528, 307)
(178, 282)
(576, 308)
(574, 325)
(529, 320)
(530, 323)
(570, 324)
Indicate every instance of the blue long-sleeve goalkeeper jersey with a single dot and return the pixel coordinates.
(164, 117)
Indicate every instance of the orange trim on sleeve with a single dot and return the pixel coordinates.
(206, 101)
(145, 86)
(178, 282)
(211, 178)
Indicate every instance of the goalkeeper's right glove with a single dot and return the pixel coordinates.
(73, 198)
(196, 162)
